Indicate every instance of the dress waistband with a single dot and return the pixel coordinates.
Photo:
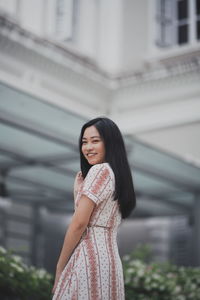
(106, 227)
(98, 226)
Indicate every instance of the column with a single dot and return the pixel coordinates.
(110, 30)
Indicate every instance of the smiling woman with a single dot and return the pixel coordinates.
(89, 266)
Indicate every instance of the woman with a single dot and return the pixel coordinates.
(89, 266)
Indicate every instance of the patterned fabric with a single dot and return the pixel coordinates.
(94, 270)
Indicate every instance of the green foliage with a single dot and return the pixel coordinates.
(20, 282)
(158, 281)
(143, 280)
(142, 252)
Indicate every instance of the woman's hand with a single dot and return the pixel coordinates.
(79, 178)
(77, 183)
(58, 273)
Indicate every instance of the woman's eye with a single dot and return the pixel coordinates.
(94, 141)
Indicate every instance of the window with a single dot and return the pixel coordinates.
(197, 8)
(178, 22)
(64, 19)
(164, 18)
(182, 17)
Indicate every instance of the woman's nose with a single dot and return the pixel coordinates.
(89, 146)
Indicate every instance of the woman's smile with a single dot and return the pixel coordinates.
(91, 154)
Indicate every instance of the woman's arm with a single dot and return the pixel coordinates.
(73, 235)
(75, 230)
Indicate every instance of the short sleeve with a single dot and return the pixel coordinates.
(97, 183)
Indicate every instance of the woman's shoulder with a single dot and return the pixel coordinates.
(102, 167)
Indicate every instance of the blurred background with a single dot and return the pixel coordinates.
(63, 62)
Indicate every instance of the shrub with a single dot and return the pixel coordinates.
(159, 281)
(18, 281)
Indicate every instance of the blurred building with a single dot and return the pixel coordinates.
(65, 61)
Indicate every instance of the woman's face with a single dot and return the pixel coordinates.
(93, 147)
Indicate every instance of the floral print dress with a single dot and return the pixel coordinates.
(94, 270)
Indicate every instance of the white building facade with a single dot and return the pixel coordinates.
(145, 55)
(136, 62)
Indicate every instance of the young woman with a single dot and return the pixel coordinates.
(89, 266)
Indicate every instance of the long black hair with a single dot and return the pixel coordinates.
(117, 158)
